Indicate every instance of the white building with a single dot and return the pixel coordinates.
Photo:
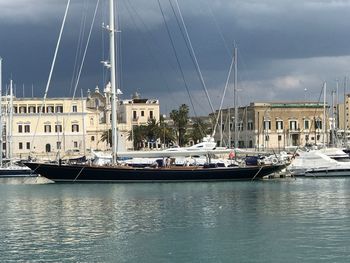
(65, 126)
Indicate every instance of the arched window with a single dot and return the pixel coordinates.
(48, 148)
(75, 128)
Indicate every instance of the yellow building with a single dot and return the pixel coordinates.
(134, 112)
(43, 130)
(274, 125)
(67, 126)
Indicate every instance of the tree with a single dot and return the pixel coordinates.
(152, 130)
(166, 133)
(107, 137)
(199, 130)
(138, 136)
(180, 118)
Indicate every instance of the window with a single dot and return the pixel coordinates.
(41, 109)
(306, 124)
(58, 145)
(31, 109)
(267, 137)
(28, 145)
(75, 144)
(307, 137)
(75, 128)
(47, 128)
(58, 128)
(279, 138)
(250, 144)
(293, 125)
(151, 114)
(250, 126)
(318, 124)
(27, 128)
(22, 109)
(134, 115)
(279, 125)
(48, 148)
(267, 125)
(240, 126)
(92, 138)
(318, 137)
(231, 126)
(75, 108)
(59, 109)
(20, 146)
(49, 109)
(20, 128)
(142, 113)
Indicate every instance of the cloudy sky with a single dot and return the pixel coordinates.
(286, 48)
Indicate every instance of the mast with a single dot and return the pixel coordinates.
(235, 98)
(112, 50)
(83, 120)
(10, 123)
(333, 120)
(1, 145)
(324, 113)
(345, 119)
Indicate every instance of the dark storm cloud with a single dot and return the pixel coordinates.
(285, 47)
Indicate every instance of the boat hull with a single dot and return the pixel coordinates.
(8, 173)
(328, 173)
(84, 173)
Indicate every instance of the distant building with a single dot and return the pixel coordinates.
(274, 125)
(342, 121)
(69, 126)
(45, 129)
(135, 112)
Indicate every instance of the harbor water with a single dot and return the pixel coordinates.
(296, 220)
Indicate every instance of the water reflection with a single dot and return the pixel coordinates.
(193, 222)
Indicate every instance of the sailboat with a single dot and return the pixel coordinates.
(10, 170)
(164, 173)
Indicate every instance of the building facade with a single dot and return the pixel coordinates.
(135, 112)
(274, 125)
(64, 126)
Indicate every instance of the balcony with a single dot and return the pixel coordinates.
(293, 131)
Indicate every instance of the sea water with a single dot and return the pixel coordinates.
(297, 220)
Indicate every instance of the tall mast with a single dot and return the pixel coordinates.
(1, 145)
(10, 123)
(333, 120)
(345, 118)
(235, 98)
(324, 113)
(112, 52)
(83, 120)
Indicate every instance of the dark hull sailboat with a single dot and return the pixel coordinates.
(125, 174)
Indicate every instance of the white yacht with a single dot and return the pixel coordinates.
(316, 163)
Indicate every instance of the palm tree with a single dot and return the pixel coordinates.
(167, 135)
(199, 130)
(138, 136)
(107, 137)
(152, 130)
(180, 118)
